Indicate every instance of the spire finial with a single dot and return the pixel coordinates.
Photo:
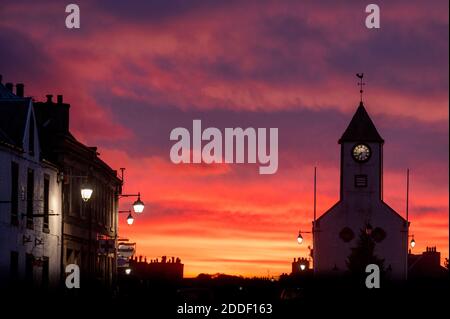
(361, 84)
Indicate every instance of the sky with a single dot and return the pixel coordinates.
(135, 70)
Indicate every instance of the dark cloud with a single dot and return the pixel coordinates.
(305, 136)
(412, 59)
(21, 58)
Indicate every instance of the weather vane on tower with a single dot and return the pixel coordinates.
(361, 84)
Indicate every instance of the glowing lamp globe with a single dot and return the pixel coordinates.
(300, 238)
(138, 205)
(130, 219)
(86, 193)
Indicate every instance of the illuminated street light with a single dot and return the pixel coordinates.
(86, 192)
(130, 219)
(300, 238)
(302, 267)
(412, 243)
(138, 205)
(128, 271)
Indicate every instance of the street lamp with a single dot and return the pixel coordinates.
(413, 242)
(128, 271)
(130, 219)
(302, 267)
(300, 238)
(86, 192)
(138, 205)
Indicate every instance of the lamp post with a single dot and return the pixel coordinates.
(300, 237)
(314, 225)
(138, 205)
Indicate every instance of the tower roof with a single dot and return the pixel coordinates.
(361, 128)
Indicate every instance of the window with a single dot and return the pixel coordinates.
(31, 137)
(360, 181)
(69, 255)
(46, 199)
(30, 196)
(14, 193)
(14, 266)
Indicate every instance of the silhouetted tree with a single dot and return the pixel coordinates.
(363, 255)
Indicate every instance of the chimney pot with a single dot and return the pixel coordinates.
(20, 89)
(9, 86)
(49, 98)
(59, 99)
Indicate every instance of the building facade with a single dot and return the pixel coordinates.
(426, 265)
(45, 224)
(30, 198)
(361, 207)
(164, 269)
(85, 224)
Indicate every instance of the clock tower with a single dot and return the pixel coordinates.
(360, 206)
(361, 158)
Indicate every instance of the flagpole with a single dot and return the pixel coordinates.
(314, 219)
(407, 222)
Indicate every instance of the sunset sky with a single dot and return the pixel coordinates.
(137, 69)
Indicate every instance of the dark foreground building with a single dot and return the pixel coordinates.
(165, 269)
(85, 223)
(46, 222)
(426, 265)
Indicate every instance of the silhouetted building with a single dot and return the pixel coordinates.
(300, 265)
(361, 206)
(89, 228)
(166, 268)
(427, 264)
(30, 197)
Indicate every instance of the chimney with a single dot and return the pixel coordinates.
(49, 98)
(59, 99)
(20, 89)
(9, 86)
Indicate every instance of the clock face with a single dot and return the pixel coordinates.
(361, 153)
